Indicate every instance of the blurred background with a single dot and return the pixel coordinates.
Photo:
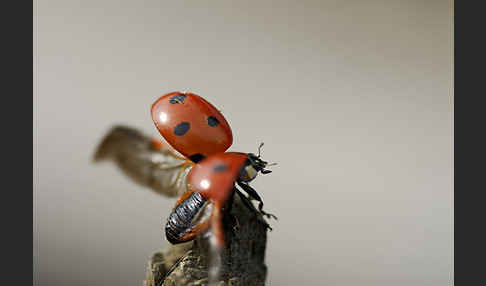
(353, 99)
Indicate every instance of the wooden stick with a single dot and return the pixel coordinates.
(243, 258)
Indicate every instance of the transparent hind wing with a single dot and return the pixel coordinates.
(146, 161)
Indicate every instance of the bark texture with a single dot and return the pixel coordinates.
(242, 261)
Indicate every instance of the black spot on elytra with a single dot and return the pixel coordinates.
(182, 128)
(213, 121)
(178, 98)
(196, 157)
(220, 168)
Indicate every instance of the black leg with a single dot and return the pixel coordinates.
(245, 200)
(252, 193)
(248, 204)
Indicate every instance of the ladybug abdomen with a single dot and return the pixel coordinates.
(185, 217)
(191, 125)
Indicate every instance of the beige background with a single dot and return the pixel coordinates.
(353, 99)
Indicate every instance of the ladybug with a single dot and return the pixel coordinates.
(197, 130)
(191, 125)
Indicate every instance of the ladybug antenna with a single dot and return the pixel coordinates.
(265, 171)
(260, 149)
(258, 163)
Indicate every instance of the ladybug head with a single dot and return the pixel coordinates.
(253, 165)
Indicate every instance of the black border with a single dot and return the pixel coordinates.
(17, 82)
(469, 143)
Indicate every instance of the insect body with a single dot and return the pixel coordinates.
(199, 131)
(191, 125)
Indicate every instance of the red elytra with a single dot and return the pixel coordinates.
(215, 176)
(191, 125)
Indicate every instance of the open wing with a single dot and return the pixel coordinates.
(144, 161)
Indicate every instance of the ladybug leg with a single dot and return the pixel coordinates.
(217, 226)
(198, 229)
(249, 205)
(193, 232)
(216, 243)
(245, 201)
(252, 193)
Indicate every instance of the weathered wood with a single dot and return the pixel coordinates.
(242, 261)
